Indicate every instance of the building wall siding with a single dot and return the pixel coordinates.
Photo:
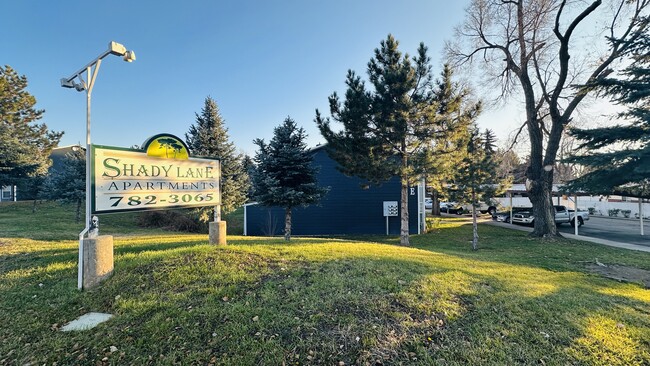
(346, 209)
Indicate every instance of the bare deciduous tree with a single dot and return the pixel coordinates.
(538, 48)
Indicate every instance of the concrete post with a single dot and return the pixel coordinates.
(217, 232)
(97, 260)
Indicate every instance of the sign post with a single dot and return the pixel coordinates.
(390, 209)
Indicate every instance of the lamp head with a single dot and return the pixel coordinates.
(67, 83)
(129, 56)
(116, 48)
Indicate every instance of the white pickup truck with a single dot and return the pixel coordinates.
(489, 207)
(562, 216)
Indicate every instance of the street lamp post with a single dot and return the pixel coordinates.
(91, 70)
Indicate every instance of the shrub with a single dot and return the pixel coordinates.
(613, 212)
(171, 220)
(433, 223)
(626, 213)
(592, 210)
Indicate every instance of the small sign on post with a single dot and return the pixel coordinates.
(390, 209)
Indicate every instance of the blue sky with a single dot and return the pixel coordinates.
(260, 60)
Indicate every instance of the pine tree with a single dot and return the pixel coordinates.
(24, 145)
(284, 175)
(249, 166)
(476, 173)
(208, 137)
(618, 157)
(68, 184)
(455, 114)
(386, 128)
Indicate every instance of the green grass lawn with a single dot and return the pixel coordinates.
(364, 301)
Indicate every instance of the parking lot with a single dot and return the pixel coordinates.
(614, 229)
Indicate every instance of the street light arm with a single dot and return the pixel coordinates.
(114, 48)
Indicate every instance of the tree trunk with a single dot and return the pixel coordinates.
(435, 210)
(540, 181)
(541, 196)
(34, 206)
(404, 215)
(287, 223)
(78, 213)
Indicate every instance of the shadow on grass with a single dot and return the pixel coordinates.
(256, 303)
(515, 247)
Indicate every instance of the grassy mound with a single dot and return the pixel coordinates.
(178, 300)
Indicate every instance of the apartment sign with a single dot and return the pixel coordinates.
(161, 175)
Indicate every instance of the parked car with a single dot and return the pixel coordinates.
(504, 216)
(483, 207)
(582, 217)
(428, 203)
(451, 208)
(562, 216)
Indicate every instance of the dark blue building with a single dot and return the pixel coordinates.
(350, 207)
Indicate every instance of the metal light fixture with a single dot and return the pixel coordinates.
(91, 70)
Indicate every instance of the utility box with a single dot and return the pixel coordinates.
(390, 208)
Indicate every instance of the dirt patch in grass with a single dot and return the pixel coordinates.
(622, 273)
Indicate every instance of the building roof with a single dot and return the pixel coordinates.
(58, 154)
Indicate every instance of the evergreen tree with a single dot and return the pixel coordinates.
(24, 145)
(208, 137)
(68, 184)
(285, 176)
(618, 157)
(455, 114)
(476, 173)
(386, 128)
(249, 166)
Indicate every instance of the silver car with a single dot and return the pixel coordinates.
(523, 217)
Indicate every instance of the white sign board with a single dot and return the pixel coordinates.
(128, 179)
(390, 208)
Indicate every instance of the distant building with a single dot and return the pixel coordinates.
(58, 154)
(351, 207)
(7, 193)
(17, 193)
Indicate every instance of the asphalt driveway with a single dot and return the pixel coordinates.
(618, 232)
(614, 229)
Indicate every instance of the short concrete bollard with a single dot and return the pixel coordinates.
(97, 260)
(217, 232)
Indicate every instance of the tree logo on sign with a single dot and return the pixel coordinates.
(166, 146)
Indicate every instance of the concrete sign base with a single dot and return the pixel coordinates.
(98, 260)
(218, 233)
